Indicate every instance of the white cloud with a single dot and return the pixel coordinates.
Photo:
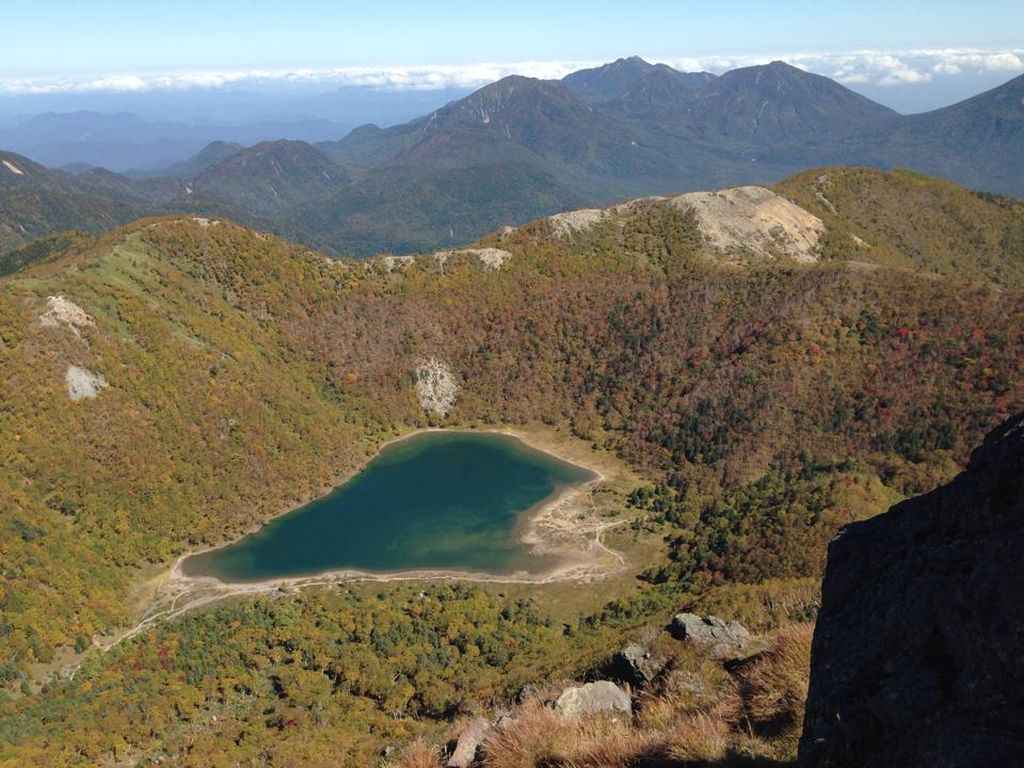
(851, 78)
(1004, 62)
(905, 76)
(392, 78)
(885, 68)
(119, 83)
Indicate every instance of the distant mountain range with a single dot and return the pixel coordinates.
(521, 148)
(132, 145)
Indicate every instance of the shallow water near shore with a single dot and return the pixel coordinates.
(437, 500)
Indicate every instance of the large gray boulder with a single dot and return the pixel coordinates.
(468, 747)
(709, 631)
(635, 664)
(918, 653)
(593, 698)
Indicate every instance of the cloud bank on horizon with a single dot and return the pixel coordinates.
(875, 68)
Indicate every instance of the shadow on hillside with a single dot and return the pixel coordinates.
(731, 760)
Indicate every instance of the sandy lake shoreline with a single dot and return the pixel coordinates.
(564, 526)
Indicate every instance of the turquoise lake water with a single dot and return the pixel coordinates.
(438, 500)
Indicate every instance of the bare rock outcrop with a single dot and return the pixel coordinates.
(61, 312)
(754, 222)
(592, 699)
(83, 383)
(492, 259)
(13, 168)
(397, 263)
(468, 748)
(436, 387)
(918, 653)
(570, 222)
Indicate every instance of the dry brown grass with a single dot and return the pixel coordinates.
(537, 736)
(695, 683)
(765, 606)
(617, 750)
(417, 755)
(775, 687)
(540, 737)
(703, 738)
(698, 714)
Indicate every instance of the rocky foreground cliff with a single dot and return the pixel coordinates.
(918, 654)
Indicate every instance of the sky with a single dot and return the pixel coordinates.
(139, 45)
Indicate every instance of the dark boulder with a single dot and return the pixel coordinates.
(918, 654)
(635, 664)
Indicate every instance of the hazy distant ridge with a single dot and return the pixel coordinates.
(521, 148)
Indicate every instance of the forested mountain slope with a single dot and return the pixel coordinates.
(223, 376)
(36, 201)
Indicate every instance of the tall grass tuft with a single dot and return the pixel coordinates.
(417, 755)
(775, 687)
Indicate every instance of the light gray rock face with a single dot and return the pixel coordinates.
(570, 222)
(436, 387)
(397, 263)
(62, 312)
(593, 698)
(492, 259)
(83, 384)
(467, 748)
(754, 223)
(723, 639)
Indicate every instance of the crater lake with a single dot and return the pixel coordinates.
(439, 500)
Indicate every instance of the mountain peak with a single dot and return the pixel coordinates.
(633, 61)
(279, 156)
(609, 81)
(507, 82)
(662, 92)
(778, 101)
(270, 176)
(213, 153)
(499, 100)
(775, 71)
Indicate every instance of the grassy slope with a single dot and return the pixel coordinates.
(246, 374)
(915, 221)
